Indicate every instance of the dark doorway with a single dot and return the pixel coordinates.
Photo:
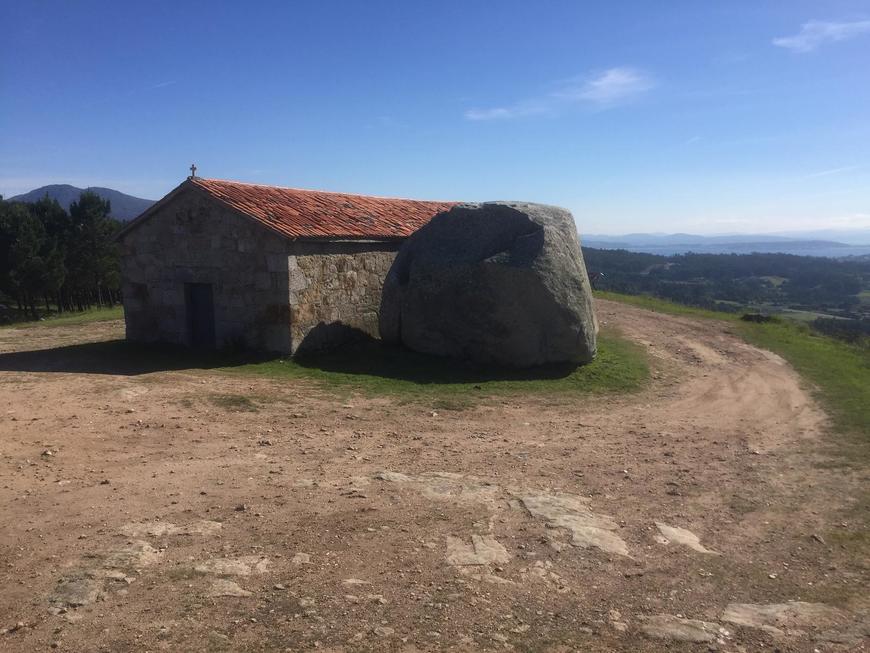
(199, 300)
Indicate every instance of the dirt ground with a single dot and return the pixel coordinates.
(206, 511)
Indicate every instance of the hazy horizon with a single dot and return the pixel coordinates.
(722, 234)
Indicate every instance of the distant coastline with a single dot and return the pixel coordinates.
(798, 248)
(828, 243)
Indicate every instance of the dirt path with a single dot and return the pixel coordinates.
(161, 512)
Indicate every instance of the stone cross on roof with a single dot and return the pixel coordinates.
(193, 170)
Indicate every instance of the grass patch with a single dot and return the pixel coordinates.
(73, 319)
(452, 403)
(776, 282)
(743, 505)
(854, 541)
(369, 368)
(181, 573)
(839, 372)
(234, 403)
(664, 306)
(621, 366)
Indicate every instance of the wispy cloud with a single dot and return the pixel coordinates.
(501, 113)
(609, 88)
(816, 32)
(829, 172)
(162, 85)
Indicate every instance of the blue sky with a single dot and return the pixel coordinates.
(638, 116)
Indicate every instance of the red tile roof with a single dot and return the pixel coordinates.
(298, 213)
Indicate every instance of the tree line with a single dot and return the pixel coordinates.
(57, 259)
(710, 280)
(741, 282)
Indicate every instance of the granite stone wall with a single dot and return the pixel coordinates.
(193, 239)
(335, 291)
(270, 293)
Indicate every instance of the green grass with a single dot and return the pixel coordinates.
(672, 308)
(839, 373)
(621, 366)
(664, 306)
(775, 281)
(795, 314)
(234, 403)
(77, 318)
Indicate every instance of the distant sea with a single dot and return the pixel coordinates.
(797, 248)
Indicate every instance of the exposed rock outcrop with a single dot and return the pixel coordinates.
(497, 283)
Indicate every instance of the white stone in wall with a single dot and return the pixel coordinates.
(298, 281)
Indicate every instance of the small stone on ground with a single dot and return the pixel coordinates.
(682, 536)
(666, 626)
(224, 587)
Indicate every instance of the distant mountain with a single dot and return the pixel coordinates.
(848, 236)
(124, 207)
(681, 239)
(669, 244)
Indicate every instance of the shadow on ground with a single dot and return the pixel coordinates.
(123, 358)
(372, 358)
(368, 358)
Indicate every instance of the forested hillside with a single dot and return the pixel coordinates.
(122, 206)
(832, 293)
(57, 260)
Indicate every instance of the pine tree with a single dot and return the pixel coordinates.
(47, 254)
(92, 255)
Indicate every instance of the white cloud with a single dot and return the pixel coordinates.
(829, 172)
(502, 113)
(816, 32)
(853, 220)
(613, 86)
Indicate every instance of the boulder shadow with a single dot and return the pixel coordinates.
(123, 358)
(364, 356)
(371, 357)
(327, 336)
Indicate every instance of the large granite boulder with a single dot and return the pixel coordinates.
(499, 282)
